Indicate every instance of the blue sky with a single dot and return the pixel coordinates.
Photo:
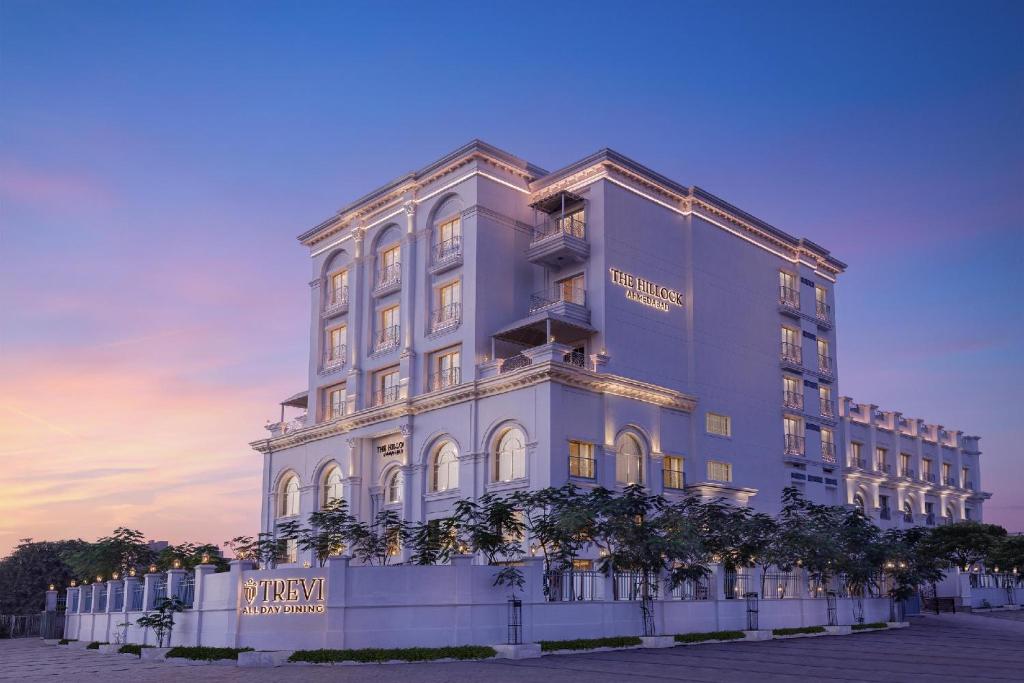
(158, 159)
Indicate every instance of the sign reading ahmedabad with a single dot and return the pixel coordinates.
(283, 596)
(646, 292)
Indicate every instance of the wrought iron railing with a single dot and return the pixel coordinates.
(793, 399)
(794, 444)
(445, 378)
(338, 298)
(789, 297)
(186, 589)
(779, 586)
(828, 451)
(386, 339)
(447, 251)
(571, 586)
(856, 462)
(737, 584)
(692, 589)
(553, 295)
(825, 364)
(826, 407)
(386, 395)
(929, 476)
(515, 362)
(883, 467)
(791, 353)
(135, 599)
(950, 481)
(570, 226)
(389, 276)
(577, 358)
(335, 356)
(446, 317)
(908, 473)
(630, 585)
(823, 310)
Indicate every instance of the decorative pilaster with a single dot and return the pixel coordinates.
(359, 292)
(408, 302)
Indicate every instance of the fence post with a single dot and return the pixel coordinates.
(149, 590)
(129, 590)
(51, 601)
(719, 581)
(237, 570)
(199, 596)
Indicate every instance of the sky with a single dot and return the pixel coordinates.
(157, 161)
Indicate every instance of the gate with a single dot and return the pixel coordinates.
(20, 625)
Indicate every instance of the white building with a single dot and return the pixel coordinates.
(482, 324)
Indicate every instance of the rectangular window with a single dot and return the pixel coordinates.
(339, 287)
(825, 401)
(793, 429)
(335, 404)
(792, 393)
(386, 389)
(581, 459)
(387, 333)
(449, 231)
(446, 370)
(791, 349)
(947, 477)
(389, 257)
(571, 289)
(719, 471)
(855, 455)
(336, 343)
(789, 292)
(880, 460)
(926, 468)
(716, 423)
(672, 472)
(824, 360)
(821, 307)
(448, 306)
(883, 502)
(905, 464)
(965, 478)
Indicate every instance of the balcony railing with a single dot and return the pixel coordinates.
(908, 517)
(557, 294)
(445, 378)
(823, 310)
(386, 339)
(448, 251)
(968, 484)
(335, 411)
(827, 407)
(389, 276)
(907, 472)
(386, 395)
(950, 481)
(515, 362)
(825, 364)
(793, 399)
(791, 353)
(789, 297)
(577, 358)
(883, 468)
(571, 586)
(828, 451)
(335, 357)
(857, 462)
(337, 299)
(674, 479)
(446, 317)
(929, 476)
(794, 444)
(885, 513)
(570, 226)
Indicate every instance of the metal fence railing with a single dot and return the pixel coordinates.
(630, 585)
(692, 589)
(738, 584)
(779, 586)
(186, 590)
(569, 586)
(135, 599)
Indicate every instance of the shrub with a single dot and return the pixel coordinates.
(589, 643)
(867, 627)
(95, 645)
(207, 654)
(408, 654)
(65, 641)
(795, 631)
(709, 635)
(131, 649)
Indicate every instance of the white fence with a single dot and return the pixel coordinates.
(347, 606)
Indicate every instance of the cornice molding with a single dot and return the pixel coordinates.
(531, 375)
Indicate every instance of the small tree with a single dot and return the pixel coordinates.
(493, 526)
(377, 543)
(162, 621)
(265, 549)
(326, 536)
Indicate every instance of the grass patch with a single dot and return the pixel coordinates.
(65, 641)
(589, 643)
(797, 631)
(95, 645)
(871, 626)
(207, 654)
(709, 635)
(132, 649)
(406, 654)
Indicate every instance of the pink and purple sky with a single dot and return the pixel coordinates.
(158, 159)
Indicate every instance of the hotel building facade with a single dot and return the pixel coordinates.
(483, 325)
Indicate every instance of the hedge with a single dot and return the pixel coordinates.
(589, 643)
(95, 645)
(709, 635)
(65, 641)
(407, 654)
(206, 653)
(873, 625)
(795, 631)
(131, 649)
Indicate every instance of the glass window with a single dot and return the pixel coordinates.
(389, 257)
(445, 474)
(290, 496)
(718, 424)
(510, 456)
(581, 459)
(332, 485)
(447, 370)
(393, 494)
(449, 230)
(880, 458)
(449, 294)
(629, 460)
(672, 471)
(571, 289)
(789, 336)
(719, 471)
(389, 318)
(336, 343)
(339, 287)
(335, 402)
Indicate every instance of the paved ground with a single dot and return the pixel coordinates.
(951, 648)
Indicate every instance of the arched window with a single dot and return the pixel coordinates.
(289, 497)
(629, 460)
(332, 485)
(950, 514)
(445, 472)
(858, 501)
(908, 511)
(510, 456)
(393, 490)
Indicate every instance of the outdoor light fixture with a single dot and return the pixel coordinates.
(206, 558)
(52, 587)
(177, 564)
(152, 569)
(98, 578)
(533, 549)
(75, 583)
(131, 572)
(114, 576)
(306, 564)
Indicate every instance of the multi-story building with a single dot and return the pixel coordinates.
(483, 325)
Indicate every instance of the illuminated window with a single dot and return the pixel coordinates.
(581, 459)
(571, 289)
(718, 424)
(629, 460)
(339, 288)
(291, 551)
(387, 328)
(789, 293)
(393, 489)
(335, 404)
(445, 473)
(332, 485)
(881, 459)
(855, 455)
(510, 456)
(390, 266)
(336, 344)
(289, 498)
(672, 472)
(719, 471)
(446, 233)
(446, 369)
(387, 386)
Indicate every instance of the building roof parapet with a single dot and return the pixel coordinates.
(868, 413)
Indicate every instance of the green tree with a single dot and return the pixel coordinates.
(28, 571)
(381, 541)
(964, 543)
(1007, 555)
(162, 620)
(120, 552)
(493, 527)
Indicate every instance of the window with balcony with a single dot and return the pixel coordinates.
(337, 295)
(856, 455)
(882, 460)
(825, 364)
(719, 471)
(793, 429)
(390, 267)
(826, 407)
(718, 424)
(828, 445)
(572, 289)
(789, 290)
(792, 393)
(791, 351)
(965, 478)
(821, 307)
(386, 387)
(446, 370)
(927, 473)
(334, 406)
(672, 472)
(334, 356)
(629, 460)
(947, 474)
(387, 329)
(447, 312)
(905, 469)
(581, 460)
(448, 241)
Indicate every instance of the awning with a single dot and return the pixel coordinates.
(299, 400)
(533, 330)
(554, 202)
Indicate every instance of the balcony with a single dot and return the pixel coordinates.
(386, 339)
(389, 280)
(793, 400)
(558, 241)
(791, 355)
(950, 481)
(882, 468)
(885, 513)
(827, 408)
(908, 473)
(570, 302)
(446, 318)
(828, 452)
(446, 255)
(334, 358)
(337, 301)
(386, 395)
(513, 363)
(444, 379)
(794, 445)
(857, 463)
(789, 300)
(286, 426)
(577, 358)
(928, 476)
(823, 311)
(826, 366)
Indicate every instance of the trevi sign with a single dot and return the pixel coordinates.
(283, 596)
